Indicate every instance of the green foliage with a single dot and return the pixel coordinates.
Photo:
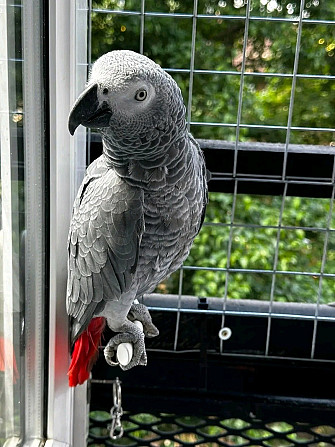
(254, 236)
(271, 48)
(219, 46)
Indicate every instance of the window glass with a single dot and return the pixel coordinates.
(11, 219)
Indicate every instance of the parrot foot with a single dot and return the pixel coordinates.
(129, 333)
(140, 313)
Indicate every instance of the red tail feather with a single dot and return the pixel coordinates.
(85, 352)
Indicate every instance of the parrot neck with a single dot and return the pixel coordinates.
(159, 169)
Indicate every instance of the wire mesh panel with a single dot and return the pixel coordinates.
(257, 78)
(246, 74)
(171, 430)
(179, 430)
(271, 398)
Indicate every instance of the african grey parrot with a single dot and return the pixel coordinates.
(139, 207)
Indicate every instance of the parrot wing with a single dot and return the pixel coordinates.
(103, 244)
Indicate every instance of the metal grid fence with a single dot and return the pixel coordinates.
(247, 13)
(184, 430)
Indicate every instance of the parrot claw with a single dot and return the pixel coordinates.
(129, 333)
(140, 313)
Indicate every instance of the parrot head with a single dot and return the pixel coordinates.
(131, 100)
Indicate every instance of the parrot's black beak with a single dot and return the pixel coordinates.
(88, 112)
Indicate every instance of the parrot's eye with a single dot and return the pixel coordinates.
(141, 95)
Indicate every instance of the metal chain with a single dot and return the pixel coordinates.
(115, 428)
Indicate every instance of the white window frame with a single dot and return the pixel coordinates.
(67, 407)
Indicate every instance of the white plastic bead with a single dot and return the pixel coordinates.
(124, 352)
(225, 333)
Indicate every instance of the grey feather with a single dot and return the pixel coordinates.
(142, 202)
